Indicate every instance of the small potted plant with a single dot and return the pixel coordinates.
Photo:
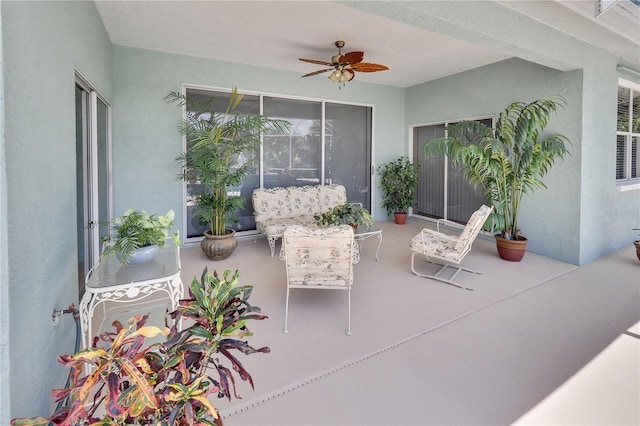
(348, 214)
(637, 244)
(399, 180)
(136, 236)
(167, 383)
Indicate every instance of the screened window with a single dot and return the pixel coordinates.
(628, 131)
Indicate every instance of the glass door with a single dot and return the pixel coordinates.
(327, 143)
(443, 190)
(93, 174)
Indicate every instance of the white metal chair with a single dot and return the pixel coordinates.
(448, 250)
(319, 258)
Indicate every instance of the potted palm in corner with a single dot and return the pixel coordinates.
(399, 180)
(507, 162)
(221, 150)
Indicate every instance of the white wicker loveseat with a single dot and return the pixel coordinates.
(277, 208)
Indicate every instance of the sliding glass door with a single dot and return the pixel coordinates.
(443, 191)
(298, 157)
(93, 187)
(348, 150)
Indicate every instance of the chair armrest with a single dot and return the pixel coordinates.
(439, 235)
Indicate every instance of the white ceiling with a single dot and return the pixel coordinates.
(275, 34)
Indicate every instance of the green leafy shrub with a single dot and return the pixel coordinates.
(344, 214)
(135, 229)
(399, 180)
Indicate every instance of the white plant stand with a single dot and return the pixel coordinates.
(116, 284)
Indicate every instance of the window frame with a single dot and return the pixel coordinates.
(627, 183)
(261, 164)
(447, 167)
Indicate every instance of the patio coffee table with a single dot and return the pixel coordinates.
(112, 281)
(366, 231)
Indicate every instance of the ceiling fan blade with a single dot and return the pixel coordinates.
(352, 57)
(368, 67)
(317, 72)
(314, 61)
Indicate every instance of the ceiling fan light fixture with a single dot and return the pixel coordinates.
(345, 77)
(343, 67)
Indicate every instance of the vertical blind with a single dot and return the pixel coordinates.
(443, 191)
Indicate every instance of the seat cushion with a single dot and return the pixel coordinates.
(276, 227)
(435, 247)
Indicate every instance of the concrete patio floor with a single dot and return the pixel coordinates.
(537, 342)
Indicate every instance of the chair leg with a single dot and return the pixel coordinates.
(437, 275)
(348, 332)
(272, 244)
(286, 313)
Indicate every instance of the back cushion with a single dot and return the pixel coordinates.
(478, 218)
(270, 203)
(330, 196)
(302, 200)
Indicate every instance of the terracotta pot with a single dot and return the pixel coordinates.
(511, 250)
(219, 247)
(400, 218)
(637, 244)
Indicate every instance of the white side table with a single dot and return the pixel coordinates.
(114, 282)
(366, 231)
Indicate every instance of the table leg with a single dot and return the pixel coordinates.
(86, 312)
(379, 244)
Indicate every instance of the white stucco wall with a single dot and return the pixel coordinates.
(145, 140)
(607, 216)
(4, 262)
(43, 42)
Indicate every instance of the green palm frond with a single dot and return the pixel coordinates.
(508, 161)
(215, 141)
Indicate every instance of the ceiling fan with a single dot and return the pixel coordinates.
(343, 67)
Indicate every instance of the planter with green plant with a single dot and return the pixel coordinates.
(215, 144)
(344, 214)
(170, 383)
(636, 243)
(506, 163)
(399, 181)
(136, 236)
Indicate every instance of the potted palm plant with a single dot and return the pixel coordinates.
(506, 162)
(399, 180)
(215, 144)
